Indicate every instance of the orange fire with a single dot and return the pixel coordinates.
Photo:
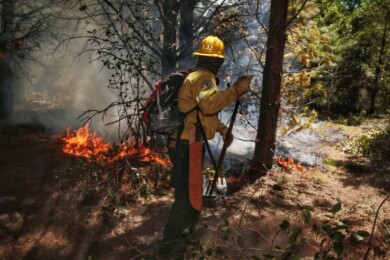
(289, 162)
(89, 145)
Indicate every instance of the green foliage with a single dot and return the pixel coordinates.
(284, 225)
(358, 78)
(331, 162)
(93, 257)
(359, 235)
(306, 215)
(295, 233)
(336, 208)
(374, 144)
(292, 238)
(319, 177)
(332, 236)
(309, 53)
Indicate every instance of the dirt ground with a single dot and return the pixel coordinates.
(44, 214)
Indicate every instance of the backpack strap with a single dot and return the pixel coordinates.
(199, 128)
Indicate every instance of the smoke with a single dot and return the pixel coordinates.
(61, 90)
(62, 86)
(303, 146)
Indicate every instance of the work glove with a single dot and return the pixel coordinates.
(227, 137)
(242, 85)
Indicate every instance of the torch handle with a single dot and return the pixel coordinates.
(224, 148)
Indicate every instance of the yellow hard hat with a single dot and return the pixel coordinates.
(211, 46)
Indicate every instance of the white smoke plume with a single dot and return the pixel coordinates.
(61, 85)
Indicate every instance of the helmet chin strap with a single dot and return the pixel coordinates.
(211, 63)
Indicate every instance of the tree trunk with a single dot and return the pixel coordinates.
(170, 22)
(375, 88)
(186, 33)
(270, 98)
(6, 76)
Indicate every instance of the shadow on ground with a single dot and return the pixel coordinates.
(43, 214)
(363, 171)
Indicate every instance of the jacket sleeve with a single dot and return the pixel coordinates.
(212, 101)
(220, 126)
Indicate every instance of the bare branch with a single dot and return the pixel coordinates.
(373, 228)
(296, 14)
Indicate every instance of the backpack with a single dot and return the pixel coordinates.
(160, 112)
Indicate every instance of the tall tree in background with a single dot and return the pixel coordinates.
(186, 35)
(375, 21)
(169, 17)
(26, 26)
(366, 51)
(272, 77)
(6, 37)
(361, 35)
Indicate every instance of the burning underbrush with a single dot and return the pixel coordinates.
(121, 174)
(288, 163)
(90, 198)
(83, 143)
(133, 172)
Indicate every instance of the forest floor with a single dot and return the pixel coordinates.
(50, 208)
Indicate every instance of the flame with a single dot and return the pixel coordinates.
(89, 145)
(83, 143)
(289, 162)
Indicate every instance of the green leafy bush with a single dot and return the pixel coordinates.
(331, 235)
(375, 144)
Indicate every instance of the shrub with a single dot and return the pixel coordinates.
(374, 144)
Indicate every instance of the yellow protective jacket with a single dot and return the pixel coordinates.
(200, 90)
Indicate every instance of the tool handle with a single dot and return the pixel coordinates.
(224, 148)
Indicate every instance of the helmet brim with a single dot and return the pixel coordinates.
(209, 55)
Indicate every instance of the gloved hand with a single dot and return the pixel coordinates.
(227, 137)
(242, 85)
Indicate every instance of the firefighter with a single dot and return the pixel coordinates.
(199, 98)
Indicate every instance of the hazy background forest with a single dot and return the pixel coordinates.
(320, 94)
(105, 56)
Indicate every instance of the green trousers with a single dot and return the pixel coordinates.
(183, 215)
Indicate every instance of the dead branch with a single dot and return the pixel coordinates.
(240, 238)
(296, 14)
(371, 242)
